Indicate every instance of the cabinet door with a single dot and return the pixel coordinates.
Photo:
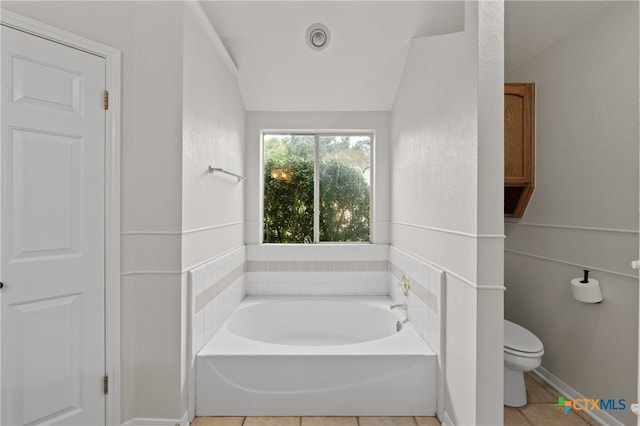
(518, 133)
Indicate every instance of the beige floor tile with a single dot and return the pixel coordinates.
(546, 386)
(427, 421)
(329, 421)
(536, 392)
(217, 421)
(547, 414)
(535, 377)
(513, 417)
(387, 421)
(587, 418)
(272, 421)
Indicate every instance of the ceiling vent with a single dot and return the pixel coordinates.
(318, 37)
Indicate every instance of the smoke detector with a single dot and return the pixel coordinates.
(318, 37)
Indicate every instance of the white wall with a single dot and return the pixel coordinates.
(213, 134)
(151, 219)
(584, 210)
(149, 36)
(213, 125)
(446, 128)
(174, 214)
(376, 121)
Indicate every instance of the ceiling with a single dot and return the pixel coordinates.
(530, 26)
(361, 68)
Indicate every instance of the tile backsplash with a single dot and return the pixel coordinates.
(426, 303)
(317, 270)
(426, 307)
(216, 288)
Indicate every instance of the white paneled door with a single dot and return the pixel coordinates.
(52, 341)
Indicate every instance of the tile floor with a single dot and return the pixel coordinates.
(315, 421)
(538, 412)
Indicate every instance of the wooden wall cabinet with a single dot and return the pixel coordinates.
(519, 144)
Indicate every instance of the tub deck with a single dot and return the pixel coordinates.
(393, 375)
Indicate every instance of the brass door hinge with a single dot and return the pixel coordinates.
(105, 384)
(105, 99)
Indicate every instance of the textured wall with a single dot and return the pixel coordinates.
(174, 215)
(213, 133)
(213, 122)
(584, 211)
(447, 196)
(150, 38)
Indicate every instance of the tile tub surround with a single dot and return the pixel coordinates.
(317, 269)
(215, 289)
(425, 303)
(426, 297)
(323, 269)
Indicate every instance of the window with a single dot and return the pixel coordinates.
(317, 188)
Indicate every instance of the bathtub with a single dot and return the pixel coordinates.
(322, 356)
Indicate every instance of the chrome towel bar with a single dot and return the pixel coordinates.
(221, 170)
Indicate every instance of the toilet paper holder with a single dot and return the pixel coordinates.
(586, 290)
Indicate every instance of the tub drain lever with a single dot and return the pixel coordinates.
(399, 324)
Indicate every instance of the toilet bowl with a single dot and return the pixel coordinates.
(522, 352)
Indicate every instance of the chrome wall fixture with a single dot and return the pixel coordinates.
(318, 37)
(221, 170)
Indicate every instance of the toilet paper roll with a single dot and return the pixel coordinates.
(586, 292)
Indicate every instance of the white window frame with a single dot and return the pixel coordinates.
(316, 178)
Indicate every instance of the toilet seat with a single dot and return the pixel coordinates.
(520, 341)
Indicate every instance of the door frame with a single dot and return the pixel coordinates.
(112, 190)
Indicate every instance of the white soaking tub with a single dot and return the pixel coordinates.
(315, 356)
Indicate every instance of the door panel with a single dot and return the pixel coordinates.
(57, 229)
(53, 328)
(44, 85)
(52, 233)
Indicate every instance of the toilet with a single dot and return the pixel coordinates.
(522, 352)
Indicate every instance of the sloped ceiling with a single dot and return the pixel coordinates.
(361, 68)
(530, 26)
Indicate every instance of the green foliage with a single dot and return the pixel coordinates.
(288, 190)
(344, 202)
(288, 202)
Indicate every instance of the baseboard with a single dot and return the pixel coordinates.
(184, 421)
(570, 393)
(446, 420)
